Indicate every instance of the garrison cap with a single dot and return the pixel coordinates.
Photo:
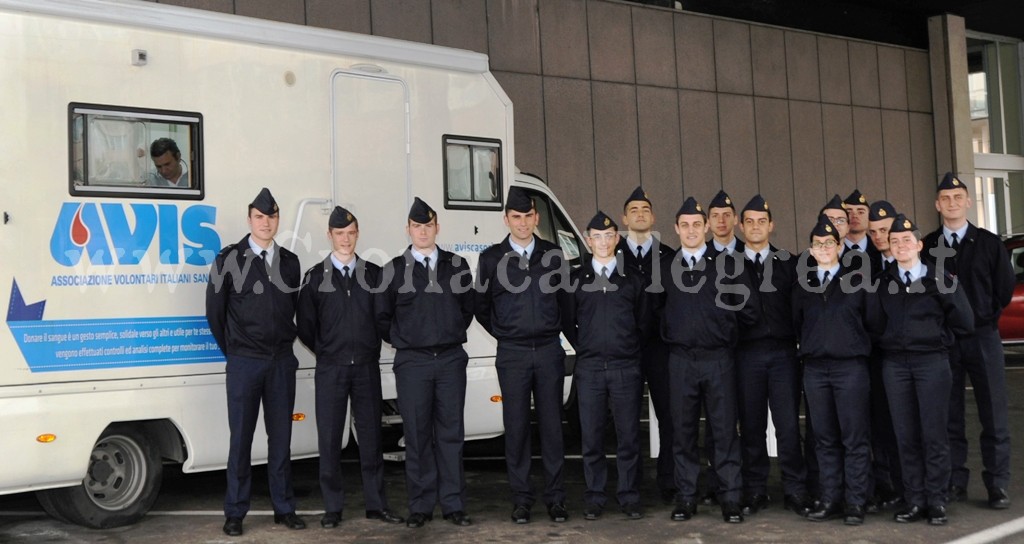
(825, 228)
(835, 204)
(881, 209)
(757, 204)
(690, 207)
(602, 222)
(264, 202)
(637, 194)
(950, 181)
(903, 224)
(421, 212)
(721, 200)
(856, 199)
(518, 200)
(340, 218)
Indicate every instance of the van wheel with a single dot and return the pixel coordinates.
(120, 486)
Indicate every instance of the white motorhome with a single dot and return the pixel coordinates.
(109, 369)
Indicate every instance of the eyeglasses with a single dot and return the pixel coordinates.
(837, 220)
(606, 236)
(826, 244)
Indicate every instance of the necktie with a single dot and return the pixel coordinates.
(526, 255)
(639, 253)
(604, 272)
(266, 261)
(344, 272)
(885, 263)
(906, 279)
(426, 263)
(693, 261)
(825, 278)
(758, 266)
(956, 242)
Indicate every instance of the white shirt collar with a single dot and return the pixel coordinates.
(960, 233)
(259, 250)
(831, 273)
(520, 249)
(419, 257)
(698, 255)
(598, 266)
(646, 246)
(340, 265)
(751, 254)
(728, 248)
(915, 272)
(861, 245)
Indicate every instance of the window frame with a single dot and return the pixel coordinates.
(194, 122)
(472, 204)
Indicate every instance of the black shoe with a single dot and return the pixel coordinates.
(592, 512)
(998, 499)
(824, 511)
(731, 512)
(557, 512)
(799, 504)
(909, 515)
(418, 519)
(956, 494)
(233, 527)
(632, 510)
(872, 507)
(330, 520)
(937, 515)
(289, 520)
(755, 503)
(854, 515)
(684, 511)
(384, 515)
(668, 496)
(521, 514)
(459, 518)
(893, 502)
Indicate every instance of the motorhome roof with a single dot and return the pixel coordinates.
(235, 27)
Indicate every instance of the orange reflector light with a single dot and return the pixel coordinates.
(496, 398)
(46, 438)
(299, 417)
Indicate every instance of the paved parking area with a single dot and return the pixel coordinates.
(189, 510)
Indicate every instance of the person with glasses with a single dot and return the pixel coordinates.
(608, 322)
(335, 320)
(703, 308)
(923, 312)
(979, 260)
(521, 302)
(831, 328)
(642, 253)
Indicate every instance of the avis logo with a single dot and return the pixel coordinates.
(110, 237)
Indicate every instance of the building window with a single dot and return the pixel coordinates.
(472, 173)
(112, 152)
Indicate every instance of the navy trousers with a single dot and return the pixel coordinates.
(980, 356)
(537, 372)
(769, 376)
(336, 384)
(432, 400)
(838, 394)
(885, 459)
(654, 364)
(709, 375)
(918, 387)
(619, 386)
(250, 382)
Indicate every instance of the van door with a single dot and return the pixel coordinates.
(371, 163)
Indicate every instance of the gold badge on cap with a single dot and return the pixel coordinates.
(430, 215)
(645, 195)
(728, 200)
(348, 217)
(956, 181)
(828, 228)
(765, 205)
(863, 200)
(607, 222)
(275, 207)
(906, 224)
(698, 208)
(882, 212)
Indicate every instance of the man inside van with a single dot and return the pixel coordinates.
(250, 305)
(170, 169)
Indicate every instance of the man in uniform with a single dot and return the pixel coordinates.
(335, 320)
(703, 308)
(857, 212)
(885, 461)
(250, 304)
(607, 323)
(981, 263)
(835, 211)
(521, 300)
(423, 311)
(642, 252)
(722, 221)
(768, 370)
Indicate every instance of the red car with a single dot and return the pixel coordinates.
(1011, 323)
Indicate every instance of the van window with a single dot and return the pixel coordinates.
(472, 173)
(111, 152)
(555, 227)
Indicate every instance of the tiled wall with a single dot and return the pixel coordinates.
(610, 94)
